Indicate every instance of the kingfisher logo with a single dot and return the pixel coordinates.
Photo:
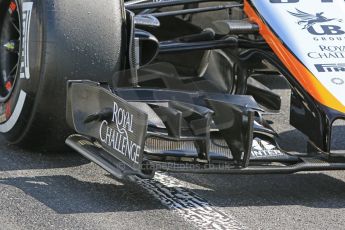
(331, 68)
(317, 24)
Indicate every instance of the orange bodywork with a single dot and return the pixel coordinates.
(309, 82)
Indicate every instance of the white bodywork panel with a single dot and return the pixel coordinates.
(314, 31)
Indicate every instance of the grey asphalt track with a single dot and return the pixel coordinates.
(65, 191)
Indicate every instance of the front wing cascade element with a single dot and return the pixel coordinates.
(140, 130)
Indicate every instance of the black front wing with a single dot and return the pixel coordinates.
(137, 131)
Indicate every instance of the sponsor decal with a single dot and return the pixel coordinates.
(262, 149)
(314, 32)
(337, 81)
(322, 68)
(266, 153)
(328, 52)
(314, 23)
(26, 19)
(115, 134)
(329, 38)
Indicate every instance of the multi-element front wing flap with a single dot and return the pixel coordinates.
(138, 131)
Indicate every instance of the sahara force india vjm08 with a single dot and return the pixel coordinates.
(142, 86)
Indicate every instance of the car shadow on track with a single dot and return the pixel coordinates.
(316, 190)
(67, 195)
(15, 158)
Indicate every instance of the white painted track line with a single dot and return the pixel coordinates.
(191, 207)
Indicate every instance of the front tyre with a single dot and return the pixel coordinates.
(44, 43)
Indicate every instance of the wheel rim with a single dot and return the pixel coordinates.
(10, 47)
